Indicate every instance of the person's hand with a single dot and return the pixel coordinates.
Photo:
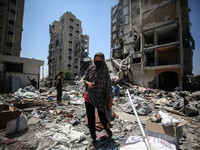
(110, 103)
(90, 84)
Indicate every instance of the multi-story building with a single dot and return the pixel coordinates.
(68, 47)
(11, 20)
(154, 39)
(13, 68)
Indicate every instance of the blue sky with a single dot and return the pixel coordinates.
(95, 17)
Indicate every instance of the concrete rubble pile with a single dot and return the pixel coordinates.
(63, 126)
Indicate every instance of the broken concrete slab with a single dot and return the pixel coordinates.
(33, 120)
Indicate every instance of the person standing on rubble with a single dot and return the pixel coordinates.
(98, 95)
(33, 82)
(59, 87)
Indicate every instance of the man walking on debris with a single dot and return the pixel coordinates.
(98, 95)
(33, 82)
(59, 87)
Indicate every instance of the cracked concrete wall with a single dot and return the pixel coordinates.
(156, 12)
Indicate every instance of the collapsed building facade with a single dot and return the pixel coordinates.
(13, 68)
(68, 47)
(151, 42)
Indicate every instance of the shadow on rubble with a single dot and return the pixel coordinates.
(18, 134)
(108, 144)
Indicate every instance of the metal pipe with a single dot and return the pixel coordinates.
(140, 125)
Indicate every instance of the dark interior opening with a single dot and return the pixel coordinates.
(168, 81)
(136, 60)
(14, 67)
(150, 58)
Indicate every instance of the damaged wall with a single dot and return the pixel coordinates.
(157, 12)
(155, 35)
(18, 67)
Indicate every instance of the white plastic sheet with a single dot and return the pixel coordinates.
(136, 142)
(78, 101)
(61, 134)
(168, 120)
(27, 92)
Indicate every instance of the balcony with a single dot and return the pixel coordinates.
(162, 57)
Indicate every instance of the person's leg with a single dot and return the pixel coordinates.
(90, 110)
(104, 121)
(59, 95)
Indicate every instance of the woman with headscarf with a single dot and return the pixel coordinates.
(98, 95)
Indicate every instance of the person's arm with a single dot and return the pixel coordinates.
(89, 84)
(85, 80)
(28, 78)
(58, 81)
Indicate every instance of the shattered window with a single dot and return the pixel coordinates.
(10, 32)
(12, 11)
(9, 44)
(57, 43)
(13, 1)
(11, 22)
(71, 27)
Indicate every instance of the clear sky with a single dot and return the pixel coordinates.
(95, 16)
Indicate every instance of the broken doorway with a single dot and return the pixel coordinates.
(168, 81)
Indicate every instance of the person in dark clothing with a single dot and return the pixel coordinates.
(33, 82)
(98, 95)
(59, 87)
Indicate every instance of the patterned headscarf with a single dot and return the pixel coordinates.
(100, 94)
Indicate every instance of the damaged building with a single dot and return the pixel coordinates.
(68, 47)
(13, 68)
(152, 39)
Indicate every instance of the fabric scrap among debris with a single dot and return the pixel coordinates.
(62, 133)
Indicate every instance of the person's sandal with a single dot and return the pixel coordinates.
(92, 145)
(109, 132)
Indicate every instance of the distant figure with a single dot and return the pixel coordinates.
(59, 87)
(33, 82)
